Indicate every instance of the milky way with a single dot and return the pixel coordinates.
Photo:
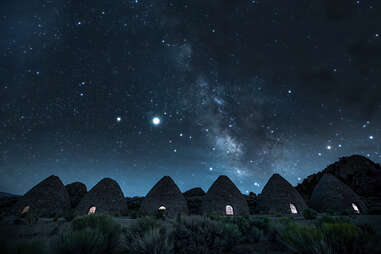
(135, 90)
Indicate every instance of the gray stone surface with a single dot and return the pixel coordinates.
(106, 196)
(77, 191)
(47, 198)
(194, 192)
(330, 194)
(361, 174)
(223, 192)
(277, 195)
(165, 193)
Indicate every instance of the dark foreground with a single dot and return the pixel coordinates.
(192, 234)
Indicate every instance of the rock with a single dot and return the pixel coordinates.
(252, 202)
(167, 195)
(194, 199)
(106, 196)
(278, 196)
(330, 194)
(9, 219)
(194, 204)
(47, 198)
(224, 197)
(362, 175)
(194, 192)
(134, 203)
(77, 191)
(6, 204)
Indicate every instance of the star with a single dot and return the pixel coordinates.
(329, 147)
(118, 119)
(371, 137)
(156, 120)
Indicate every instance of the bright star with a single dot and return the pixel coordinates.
(329, 147)
(371, 137)
(156, 120)
(118, 119)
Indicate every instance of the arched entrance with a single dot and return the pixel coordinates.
(25, 210)
(229, 210)
(92, 210)
(293, 209)
(355, 208)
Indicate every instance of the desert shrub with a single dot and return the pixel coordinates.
(231, 235)
(85, 241)
(133, 214)
(367, 228)
(69, 214)
(19, 221)
(309, 214)
(251, 227)
(153, 241)
(330, 212)
(330, 220)
(248, 226)
(374, 211)
(345, 237)
(51, 215)
(116, 214)
(267, 226)
(254, 235)
(31, 218)
(347, 212)
(301, 239)
(22, 247)
(148, 235)
(141, 226)
(102, 223)
(215, 216)
(337, 237)
(160, 214)
(263, 223)
(137, 214)
(196, 234)
(285, 220)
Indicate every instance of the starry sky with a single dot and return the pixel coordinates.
(138, 89)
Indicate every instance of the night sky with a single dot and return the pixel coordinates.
(138, 89)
